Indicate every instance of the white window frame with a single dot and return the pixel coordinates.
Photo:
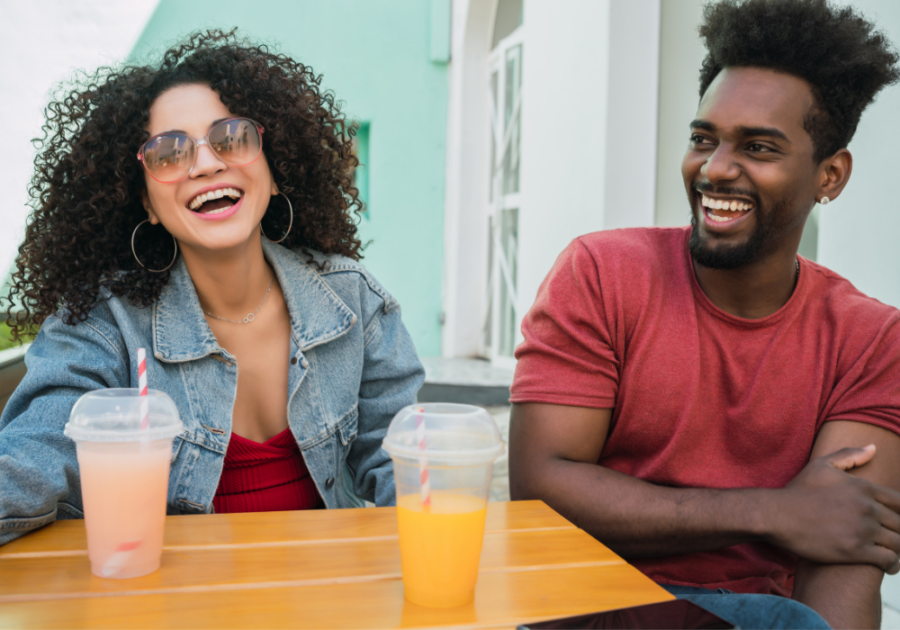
(500, 268)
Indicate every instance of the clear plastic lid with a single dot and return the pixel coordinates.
(453, 433)
(114, 415)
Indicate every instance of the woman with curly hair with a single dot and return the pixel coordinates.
(203, 209)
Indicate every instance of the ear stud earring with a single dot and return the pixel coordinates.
(824, 201)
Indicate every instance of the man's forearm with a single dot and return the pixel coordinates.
(847, 596)
(639, 519)
(823, 514)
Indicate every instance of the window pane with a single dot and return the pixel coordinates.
(489, 318)
(361, 172)
(511, 119)
(507, 20)
(509, 236)
(493, 164)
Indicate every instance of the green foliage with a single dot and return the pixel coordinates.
(6, 340)
(5, 337)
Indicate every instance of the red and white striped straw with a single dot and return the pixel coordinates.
(423, 462)
(142, 387)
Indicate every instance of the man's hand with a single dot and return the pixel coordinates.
(828, 516)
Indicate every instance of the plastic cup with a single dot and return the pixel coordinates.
(124, 477)
(441, 531)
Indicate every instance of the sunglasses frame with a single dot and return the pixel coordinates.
(197, 143)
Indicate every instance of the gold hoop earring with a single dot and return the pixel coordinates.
(134, 234)
(290, 222)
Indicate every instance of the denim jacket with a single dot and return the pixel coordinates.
(355, 368)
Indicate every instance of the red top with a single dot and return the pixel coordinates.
(266, 477)
(702, 398)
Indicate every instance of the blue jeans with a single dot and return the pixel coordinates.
(751, 610)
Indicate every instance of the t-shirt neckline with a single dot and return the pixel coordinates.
(777, 316)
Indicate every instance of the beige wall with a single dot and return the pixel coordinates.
(589, 85)
(680, 54)
(858, 233)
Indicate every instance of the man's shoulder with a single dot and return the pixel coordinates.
(840, 299)
(634, 243)
(631, 267)
(631, 258)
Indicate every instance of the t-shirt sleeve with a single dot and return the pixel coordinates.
(567, 356)
(870, 390)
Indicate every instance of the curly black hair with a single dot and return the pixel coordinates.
(834, 49)
(86, 190)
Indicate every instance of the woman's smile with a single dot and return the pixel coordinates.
(216, 203)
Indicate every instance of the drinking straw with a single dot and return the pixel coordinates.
(423, 462)
(142, 387)
(120, 558)
(123, 552)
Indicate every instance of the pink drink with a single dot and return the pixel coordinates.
(124, 487)
(124, 445)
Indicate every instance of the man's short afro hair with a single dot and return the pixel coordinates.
(838, 52)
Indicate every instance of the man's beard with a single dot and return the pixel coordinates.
(724, 256)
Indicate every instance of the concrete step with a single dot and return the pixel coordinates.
(470, 381)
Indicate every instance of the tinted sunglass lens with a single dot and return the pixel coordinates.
(236, 142)
(169, 157)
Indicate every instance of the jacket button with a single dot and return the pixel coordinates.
(330, 483)
(293, 360)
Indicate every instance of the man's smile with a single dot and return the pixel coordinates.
(720, 212)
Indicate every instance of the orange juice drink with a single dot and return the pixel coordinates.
(443, 456)
(440, 547)
(123, 487)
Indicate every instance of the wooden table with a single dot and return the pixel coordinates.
(317, 569)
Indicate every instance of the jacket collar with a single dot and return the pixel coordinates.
(318, 315)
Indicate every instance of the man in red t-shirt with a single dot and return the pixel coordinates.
(716, 409)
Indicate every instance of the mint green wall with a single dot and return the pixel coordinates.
(377, 58)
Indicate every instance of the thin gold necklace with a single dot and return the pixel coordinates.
(250, 316)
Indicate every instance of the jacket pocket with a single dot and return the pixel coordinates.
(348, 426)
(347, 430)
(176, 447)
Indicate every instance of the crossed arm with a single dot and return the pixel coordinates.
(839, 515)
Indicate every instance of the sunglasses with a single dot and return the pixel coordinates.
(169, 157)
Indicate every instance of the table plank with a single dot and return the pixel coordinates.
(502, 599)
(337, 568)
(352, 559)
(260, 528)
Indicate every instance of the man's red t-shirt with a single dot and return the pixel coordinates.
(702, 398)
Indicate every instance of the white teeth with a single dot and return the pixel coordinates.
(718, 219)
(720, 204)
(199, 200)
